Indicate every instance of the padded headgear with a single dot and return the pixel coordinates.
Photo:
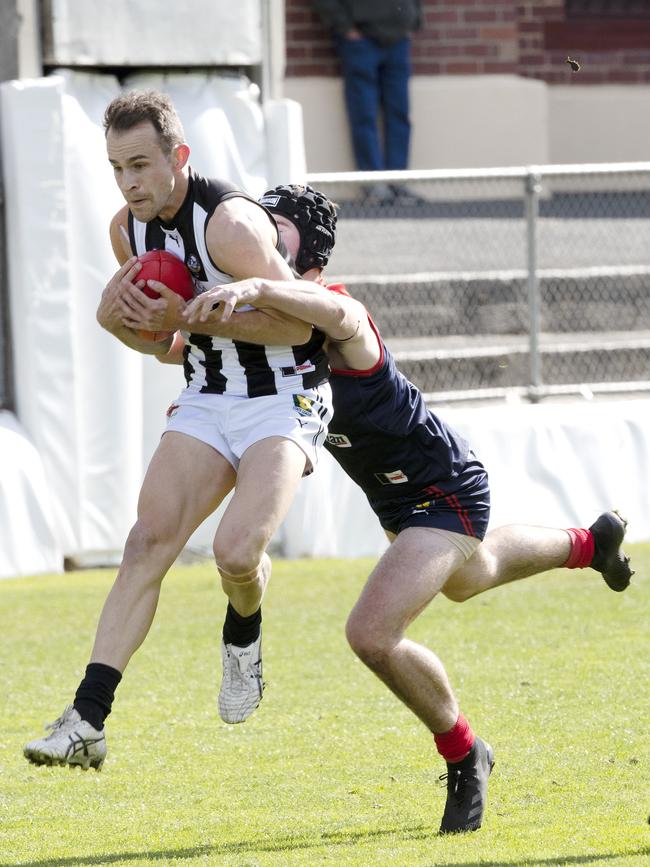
(313, 215)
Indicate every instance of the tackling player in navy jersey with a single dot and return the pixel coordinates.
(427, 488)
(254, 412)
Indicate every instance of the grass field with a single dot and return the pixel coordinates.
(553, 671)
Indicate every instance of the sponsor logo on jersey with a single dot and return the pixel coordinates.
(306, 367)
(173, 409)
(193, 264)
(395, 477)
(339, 440)
(303, 404)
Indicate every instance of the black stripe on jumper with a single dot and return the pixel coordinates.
(260, 379)
(215, 381)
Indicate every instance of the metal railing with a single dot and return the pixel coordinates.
(526, 281)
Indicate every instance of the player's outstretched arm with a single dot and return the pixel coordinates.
(241, 241)
(342, 318)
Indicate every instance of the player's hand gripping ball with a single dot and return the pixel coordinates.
(170, 270)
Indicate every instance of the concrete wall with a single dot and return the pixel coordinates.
(608, 123)
(480, 121)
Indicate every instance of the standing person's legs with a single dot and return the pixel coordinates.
(394, 77)
(360, 65)
(405, 580)
(185, 482)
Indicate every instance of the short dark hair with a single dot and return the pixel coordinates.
(140, 106)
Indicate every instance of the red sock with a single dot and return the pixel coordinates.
(455, 744)
(582, 549)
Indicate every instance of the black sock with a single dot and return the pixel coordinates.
(94, 697)
(239, 630)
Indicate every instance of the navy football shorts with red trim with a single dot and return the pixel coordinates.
(461, 504)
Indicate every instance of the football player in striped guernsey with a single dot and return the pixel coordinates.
(427, 488)
(254, 412)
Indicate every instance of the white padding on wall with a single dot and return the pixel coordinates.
(78, 389)
(285, 144)
(561, 464)
(223, 123)
(29, 543)
(40, 266)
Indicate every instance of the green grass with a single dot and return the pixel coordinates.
(331, 769)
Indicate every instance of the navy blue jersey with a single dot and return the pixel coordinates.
(409, 462)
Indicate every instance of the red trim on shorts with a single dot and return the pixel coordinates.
(453, 501)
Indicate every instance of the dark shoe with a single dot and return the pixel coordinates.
(467, 790)
(608, 532)
(405, 198)
(378, 195)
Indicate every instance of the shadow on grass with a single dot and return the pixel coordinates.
(289, 843)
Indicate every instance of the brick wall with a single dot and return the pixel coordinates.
(531, 38)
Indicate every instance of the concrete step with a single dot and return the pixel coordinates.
(474, 303)
(498, 362)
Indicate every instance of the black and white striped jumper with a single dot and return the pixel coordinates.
(218, 365)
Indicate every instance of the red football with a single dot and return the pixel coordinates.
(168, 269)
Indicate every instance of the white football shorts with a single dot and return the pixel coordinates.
(231, 423)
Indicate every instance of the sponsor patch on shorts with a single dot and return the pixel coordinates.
(303, 404)
(395, 477)
(339, 440)
(172, 410)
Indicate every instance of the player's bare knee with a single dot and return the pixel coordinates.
(239, 554)
(371, 646)
(458, 592)
(143, 540)
(237, 567)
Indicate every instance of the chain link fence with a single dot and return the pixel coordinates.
(528, 281)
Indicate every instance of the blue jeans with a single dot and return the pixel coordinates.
(376, 78)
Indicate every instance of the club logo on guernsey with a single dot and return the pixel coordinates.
(395, 477)
(339, 440)
(193, 264)
(303, 404)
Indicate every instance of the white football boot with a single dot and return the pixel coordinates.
(241, 685)
(72, 741)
